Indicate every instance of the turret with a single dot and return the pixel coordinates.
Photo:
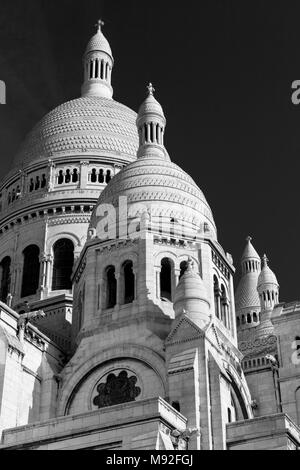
(267, 286)
(151, 123)
(191, 297)
(98, 63)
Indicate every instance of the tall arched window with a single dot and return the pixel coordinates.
(5, 278)
(166, 279)
(183, 268)
(111, 287)
(217, 297)
(63, 252)
(31, 270)
(128, 282)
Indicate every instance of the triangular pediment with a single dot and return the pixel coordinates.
(184, 330)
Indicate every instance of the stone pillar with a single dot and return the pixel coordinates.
(84, 168)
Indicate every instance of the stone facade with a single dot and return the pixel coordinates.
(145, 345)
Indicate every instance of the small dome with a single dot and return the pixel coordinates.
(190, 286)
(150, 106)
(266, 276)
(191, 297)
(98, 43)
(162, 187)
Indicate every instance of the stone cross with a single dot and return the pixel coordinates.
(99, 24)
(151, 89)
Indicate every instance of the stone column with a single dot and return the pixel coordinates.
(84, 168)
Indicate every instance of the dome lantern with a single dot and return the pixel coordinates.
(98, 63)
(267, 286)
(151, 123)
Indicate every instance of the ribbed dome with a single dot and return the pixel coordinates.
(162, 186)
(267, 277)
(150, 106)
(98, 43)
(87, 124)
(190, 287)
(250, 251)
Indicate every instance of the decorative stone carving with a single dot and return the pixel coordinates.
(116, 390)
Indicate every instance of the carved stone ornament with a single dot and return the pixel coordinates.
(116, 390)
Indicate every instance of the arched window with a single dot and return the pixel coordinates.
(75, 175)
(229, 415)
(31, 186)
(37, 183)
(94, 176)
(128, 282)
(108, 176)
(60, 179)
(183, 268)
(248, 318)
(44, 181)
(255, 317)
(111, 287)
(31, 270)
(63, 252)
(101, 176)
(224, 306)
(5, 278)
(166, 279)
(217, 294)
(68, 177)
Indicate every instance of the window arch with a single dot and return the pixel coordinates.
(31, 270)
(166, 279)
(63, 252)
(129, 281)
(5, 278)
(111, 287)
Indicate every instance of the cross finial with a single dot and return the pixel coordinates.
(248, 239)
(150, 89)
(99, 25)
(265, 260)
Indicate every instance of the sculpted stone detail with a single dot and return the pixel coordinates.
(116, 390)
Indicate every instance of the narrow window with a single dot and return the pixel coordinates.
(63, 252)
(94, 176)
(248, 318)
(68, 177)
(44, 181)
(102, 70)
(101, 176)
(129, 282)
(60, 177)
(217, 294)
(31, 270)
(37, 183)
(75, 176)
(96, 69)
(13, 195)
(111, 287)
(5, 278)
(108, 176)
(166, 279)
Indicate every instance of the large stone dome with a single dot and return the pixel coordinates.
(90, 124)
(163, 187)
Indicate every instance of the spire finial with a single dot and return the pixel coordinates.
(150, 89)
(248, 239)
(265, 260)
(99, 25)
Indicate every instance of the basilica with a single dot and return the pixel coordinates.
(122, 323)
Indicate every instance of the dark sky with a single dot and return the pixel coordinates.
(222, 72)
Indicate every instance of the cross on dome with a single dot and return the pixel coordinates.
(150, 89)
(99, 25)
(265, 260)
(249, 239)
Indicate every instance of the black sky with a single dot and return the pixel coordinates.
(222, 72)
